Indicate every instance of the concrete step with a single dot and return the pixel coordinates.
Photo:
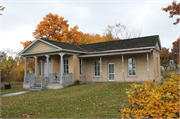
(34, 89)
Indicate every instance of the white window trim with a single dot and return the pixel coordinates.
(39, 62)
(94, 70)
(128, 68)
(82, 67)
(157, 66)
(67, 65)
(114, 71)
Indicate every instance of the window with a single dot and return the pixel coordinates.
(131, 67)
(39, 68)
(81, 64)
(97, 68)
(66, 66)
(157, 66)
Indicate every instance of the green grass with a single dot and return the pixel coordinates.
(14, 88)
(97, 100)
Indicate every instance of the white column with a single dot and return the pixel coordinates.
(47, 71)
(148, 67)
(82, 73)
(62, 69)
(25, 68)
(35, 68)
(100, 69)
(122, 68)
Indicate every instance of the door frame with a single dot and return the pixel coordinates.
(113, 73)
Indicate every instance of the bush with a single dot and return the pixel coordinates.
(150, 100)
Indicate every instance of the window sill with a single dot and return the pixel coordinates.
(81, 76)
(132, 76)
(96, 77)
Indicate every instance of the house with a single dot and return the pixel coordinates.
(59, 64)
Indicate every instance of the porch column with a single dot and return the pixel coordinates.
(122, 68)
(82, 73)
(35, 67)
(47, 57)
(25, 68)
(62, 69)
(148, 67)
(100, 69)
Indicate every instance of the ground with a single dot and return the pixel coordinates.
(97, 100)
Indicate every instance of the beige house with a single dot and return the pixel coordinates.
(59, 64)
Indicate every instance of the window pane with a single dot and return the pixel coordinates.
(130, 72)
(112, 68)
(134, 71)
(130, 64)
(112, 76)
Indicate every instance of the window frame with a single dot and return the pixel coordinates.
(67, 70)
(111, 73)
(132, 67)
(157, 66)
(82, 67)
(98, 61)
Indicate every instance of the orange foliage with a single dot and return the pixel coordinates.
(150, 100)
(56, 28)
(175, 51)
(173, 9)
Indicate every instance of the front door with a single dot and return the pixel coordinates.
(45, 68)
(111, 72)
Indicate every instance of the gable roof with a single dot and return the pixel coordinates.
(148, 41)
(64, 45)
(133, 43)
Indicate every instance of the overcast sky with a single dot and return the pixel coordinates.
(20, 18)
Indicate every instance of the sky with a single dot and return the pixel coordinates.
(21, 17)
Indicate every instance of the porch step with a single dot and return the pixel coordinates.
(36, 87)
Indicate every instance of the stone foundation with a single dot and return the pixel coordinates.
(26, 85)
(54, 86)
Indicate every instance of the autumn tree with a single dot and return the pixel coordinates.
(175, 51)
(165, 57)
(56, 28)
(1, 9)
(174, 10)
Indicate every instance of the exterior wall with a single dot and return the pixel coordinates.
(41, 47)
(141, 68)
(157, 78)
(55, 63)
(76, 68)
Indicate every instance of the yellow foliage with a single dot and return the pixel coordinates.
(150, 100)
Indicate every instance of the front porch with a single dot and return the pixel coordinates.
(51, 72)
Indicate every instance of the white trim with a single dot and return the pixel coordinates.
(111, 73)
(107, 54)
(95, 70)
(156, 52)
(123, 49)
(132, 67)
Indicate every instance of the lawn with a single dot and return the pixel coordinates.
(97, 100)
(15, 87)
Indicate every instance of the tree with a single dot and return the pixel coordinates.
(56, 28)
(173, 10)
(1, 9)
(165, 57)
(119, 31)
(175, 51)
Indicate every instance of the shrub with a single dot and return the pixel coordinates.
(150, 100)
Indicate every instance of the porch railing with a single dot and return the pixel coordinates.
(28, 76)
(67, 79)
(44, 82)
(55, 78)
(32, 81)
